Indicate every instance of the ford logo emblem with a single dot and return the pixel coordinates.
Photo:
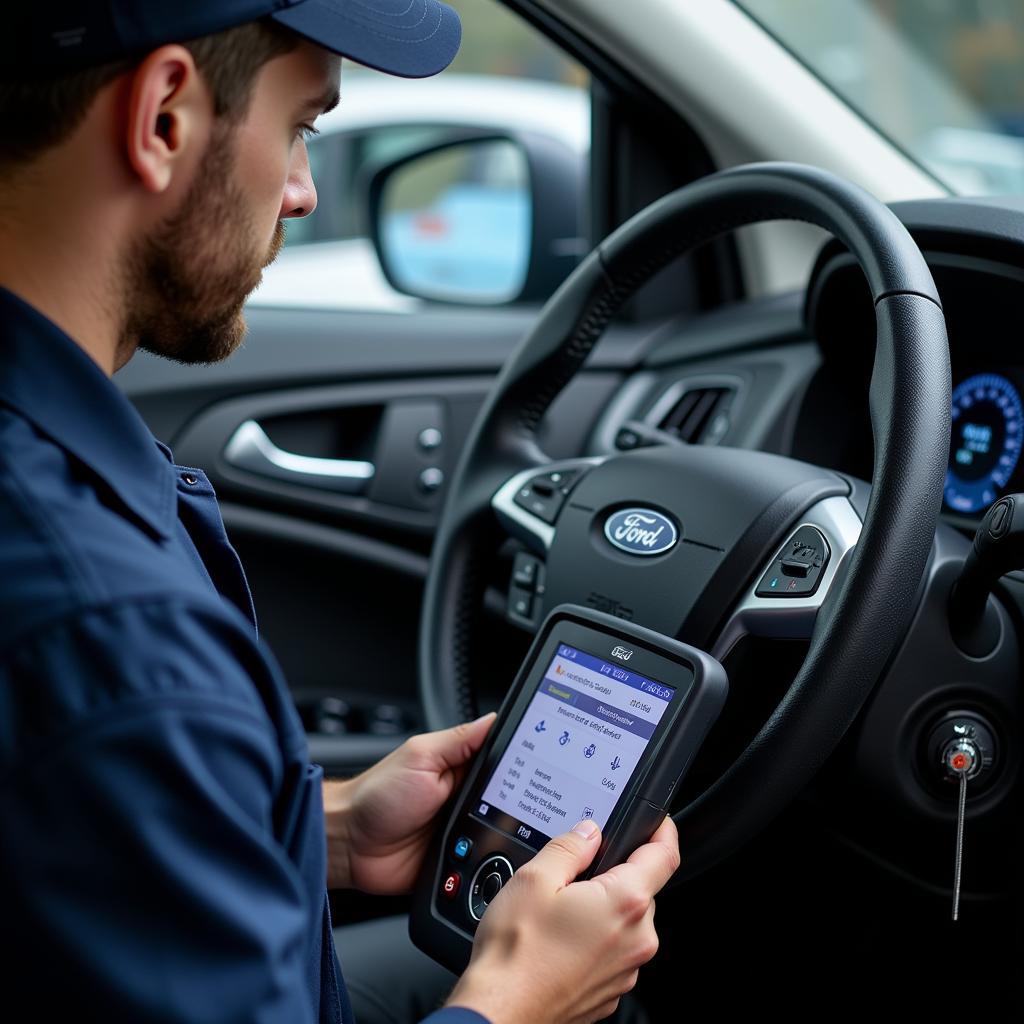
(641, 531)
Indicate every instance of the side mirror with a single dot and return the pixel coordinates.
(484, 221)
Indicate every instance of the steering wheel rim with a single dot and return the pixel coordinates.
(867, 609)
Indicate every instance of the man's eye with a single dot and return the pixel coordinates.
(306, 131)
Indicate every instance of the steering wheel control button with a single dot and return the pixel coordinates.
(520, 603)
(526, 571)
(544, 494)
(543, 507)
(796, 571)
(460, 851)
(561, 479)
(451, 885)
(794, 567)
(526, 589)
(488, 881)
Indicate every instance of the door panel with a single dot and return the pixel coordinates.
(337, 577)
(382, 425)
(339, 611)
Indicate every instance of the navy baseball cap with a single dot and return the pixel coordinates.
(411, 38)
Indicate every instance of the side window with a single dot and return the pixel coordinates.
(507, 78)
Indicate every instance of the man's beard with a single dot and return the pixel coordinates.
(188, 281)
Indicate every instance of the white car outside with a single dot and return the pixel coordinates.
(344, 273)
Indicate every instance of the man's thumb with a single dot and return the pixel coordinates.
(567, 855)
(457, 745)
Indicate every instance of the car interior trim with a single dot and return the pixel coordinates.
(529, 528)
(242, 520)
(794, 618)
(250, 449)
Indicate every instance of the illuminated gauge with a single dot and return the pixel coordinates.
(988, 421)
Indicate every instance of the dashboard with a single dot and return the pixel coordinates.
(787, 374)
(792, 375)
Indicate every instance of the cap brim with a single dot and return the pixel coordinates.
(411, 38)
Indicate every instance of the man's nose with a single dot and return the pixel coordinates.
(299, 198)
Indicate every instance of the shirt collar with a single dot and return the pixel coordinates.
(51, 381)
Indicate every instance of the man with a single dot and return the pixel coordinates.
(162, 834)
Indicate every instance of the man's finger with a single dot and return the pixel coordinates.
(451, 748)
(654, 863)
(562, 859)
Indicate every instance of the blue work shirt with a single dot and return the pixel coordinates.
(162, 845)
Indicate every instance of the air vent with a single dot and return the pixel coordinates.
(700, 415)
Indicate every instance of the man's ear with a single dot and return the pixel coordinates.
(169, 115)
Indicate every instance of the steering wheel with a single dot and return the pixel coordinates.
(733, 509)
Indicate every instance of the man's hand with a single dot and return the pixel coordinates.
(554, 951)
(379, 823)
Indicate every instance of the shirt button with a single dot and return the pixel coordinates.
(190, 478)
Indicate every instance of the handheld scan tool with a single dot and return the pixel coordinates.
(602, 721)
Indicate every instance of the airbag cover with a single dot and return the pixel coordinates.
(730, 507)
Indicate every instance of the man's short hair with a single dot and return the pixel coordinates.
(38, 114)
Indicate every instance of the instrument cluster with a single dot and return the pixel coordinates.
(986, 439)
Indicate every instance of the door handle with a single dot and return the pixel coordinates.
(250, 449)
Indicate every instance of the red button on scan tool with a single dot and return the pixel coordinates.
(450, 886)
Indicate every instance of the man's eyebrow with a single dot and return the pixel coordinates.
(326, 101)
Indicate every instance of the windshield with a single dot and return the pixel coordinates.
(943, 79)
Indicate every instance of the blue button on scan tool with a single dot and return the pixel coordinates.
(462, 847)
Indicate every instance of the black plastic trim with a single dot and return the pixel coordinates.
(242, 520)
